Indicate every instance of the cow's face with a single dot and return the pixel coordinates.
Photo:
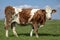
(49, 12)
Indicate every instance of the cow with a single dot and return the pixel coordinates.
(15, 15)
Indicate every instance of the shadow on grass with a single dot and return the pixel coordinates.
(43, 34)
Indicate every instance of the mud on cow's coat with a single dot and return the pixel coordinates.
(26, 15)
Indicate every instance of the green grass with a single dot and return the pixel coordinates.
(51, 31)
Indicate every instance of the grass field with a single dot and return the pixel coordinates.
(51, 31)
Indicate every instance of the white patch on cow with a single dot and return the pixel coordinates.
(31, 32)
(6, 33)
(41, 25)
(49, 11)
(33, 11)
(17, 10)
(16, 19)
(14, 31)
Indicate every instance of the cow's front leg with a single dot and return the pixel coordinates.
(31, 33)
(35, 28)
(14, 29)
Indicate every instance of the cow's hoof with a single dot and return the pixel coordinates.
(17, 36)
(7, 36)
(37, 36)
(30, 35)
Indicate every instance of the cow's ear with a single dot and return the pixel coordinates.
(53, 11)
(43, 11)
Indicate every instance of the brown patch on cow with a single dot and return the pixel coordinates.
(40, 17)
(24, 15)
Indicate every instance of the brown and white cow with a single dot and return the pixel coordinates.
(26, 15)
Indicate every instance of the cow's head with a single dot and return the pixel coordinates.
(49, 12)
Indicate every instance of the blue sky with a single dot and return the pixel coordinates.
(34, 3)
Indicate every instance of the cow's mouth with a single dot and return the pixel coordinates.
(49, 18)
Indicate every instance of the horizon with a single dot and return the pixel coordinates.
(55, 4)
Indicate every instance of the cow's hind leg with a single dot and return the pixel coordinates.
(14, 29)
(6, 31)
(6, 27)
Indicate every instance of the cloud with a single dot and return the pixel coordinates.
(27, 6)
